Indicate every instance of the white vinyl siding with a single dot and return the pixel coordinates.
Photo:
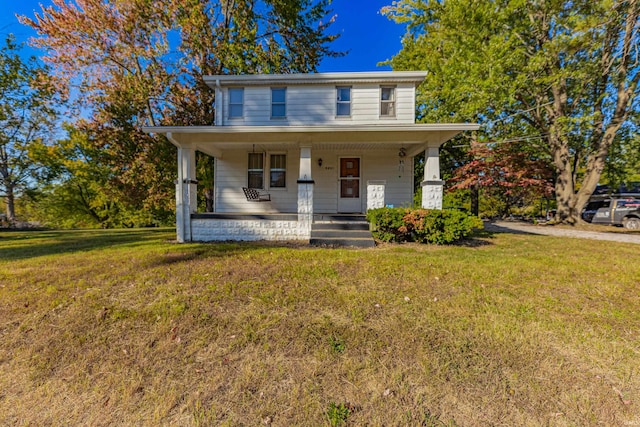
(231, 176)
(316, 105)
(374, 165)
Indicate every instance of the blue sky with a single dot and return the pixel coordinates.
(368, 36)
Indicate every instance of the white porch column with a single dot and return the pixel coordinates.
(186, 192)
(432, 186)
(305, 190)
(375, 194)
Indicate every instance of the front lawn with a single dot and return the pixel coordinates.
(127, 327)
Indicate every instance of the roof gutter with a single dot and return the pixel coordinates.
(172, 140)
(415, 77)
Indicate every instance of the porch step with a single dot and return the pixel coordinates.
(353, 226)
(326, 233)
(324, 218)
(352, 231)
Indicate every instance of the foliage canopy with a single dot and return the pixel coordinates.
(129, 64)
(27, 115)
(564, 72)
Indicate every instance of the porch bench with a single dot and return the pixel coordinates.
(254, 195)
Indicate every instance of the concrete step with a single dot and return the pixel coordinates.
(331, 233)
(352, 225)
(354, 232)
(339, 218)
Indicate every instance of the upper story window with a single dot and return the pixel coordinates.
(236, 102)
(387, 101)
(343, 102)
(255, 178)
(278, 102)
(278, 171)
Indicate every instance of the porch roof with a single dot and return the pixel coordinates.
(214, 140)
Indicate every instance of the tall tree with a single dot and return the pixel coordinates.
(76, 190)
(140, 62)
(26, 116)
(564, 71)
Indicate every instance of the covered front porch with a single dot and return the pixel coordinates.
(326, 230)
(306, 171)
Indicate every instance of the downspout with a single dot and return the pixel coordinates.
(218, 123)
(218, 120)
(169, 136)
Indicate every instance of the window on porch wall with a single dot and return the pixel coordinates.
(278, 171)
(255, 175)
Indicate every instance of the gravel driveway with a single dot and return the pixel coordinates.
(523, 227)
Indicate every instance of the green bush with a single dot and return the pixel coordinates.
(421, 225)
(386, 223)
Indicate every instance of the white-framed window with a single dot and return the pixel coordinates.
(278, 102)
(255, 171)
(343, 101)
(277, 168)
(236, 102)
(387, 101)
(277, 171)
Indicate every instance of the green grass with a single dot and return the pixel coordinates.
(127, 327)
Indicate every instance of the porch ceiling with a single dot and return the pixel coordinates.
(215, 140)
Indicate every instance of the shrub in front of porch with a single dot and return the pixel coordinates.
(421, 225)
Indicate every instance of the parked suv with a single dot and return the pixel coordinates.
(621, 210)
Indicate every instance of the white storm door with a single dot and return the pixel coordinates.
(349, 186)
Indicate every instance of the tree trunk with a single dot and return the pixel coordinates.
(564, 186)
(475, 200)
(208, 198)
(595, 167)
(11, 206)
(565, 199)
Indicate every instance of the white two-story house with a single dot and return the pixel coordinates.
(308, 144)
